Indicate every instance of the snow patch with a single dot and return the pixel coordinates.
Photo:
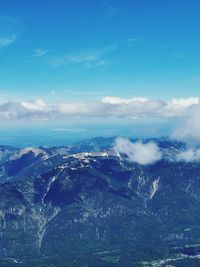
(155, 187)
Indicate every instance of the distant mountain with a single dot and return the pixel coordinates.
(88, 205)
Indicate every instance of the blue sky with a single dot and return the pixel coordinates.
(128, 48)
(82, 51)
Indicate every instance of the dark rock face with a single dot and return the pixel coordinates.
(53, 203)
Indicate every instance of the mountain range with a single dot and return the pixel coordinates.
(89, 205)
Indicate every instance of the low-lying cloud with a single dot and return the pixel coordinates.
(149, 153)
(188, 130)
(189, 155)
(138, 152)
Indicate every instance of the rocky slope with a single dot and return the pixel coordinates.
(76, 202)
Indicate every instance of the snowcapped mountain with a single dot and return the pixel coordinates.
(89, 201)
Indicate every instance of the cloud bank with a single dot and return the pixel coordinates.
(133, 108)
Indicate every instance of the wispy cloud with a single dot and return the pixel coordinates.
(5, 41)
(94, 57)
(39, 52)
(110, 8)
(10, 29)
(134, 40)
(87, 59)
(131, 40)
(90, 58)
(179, 55)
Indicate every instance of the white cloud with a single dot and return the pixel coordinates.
(31, 110)
(73, 109)
(133, 108)
(186, 102)
(37, 105)
(139, 152)
(5, 41)
(150, 153)
(189, 129)
(179, 106)
(189, 155)
(119, 100)
(141, 107)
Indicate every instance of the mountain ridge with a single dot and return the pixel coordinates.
(76, 205)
